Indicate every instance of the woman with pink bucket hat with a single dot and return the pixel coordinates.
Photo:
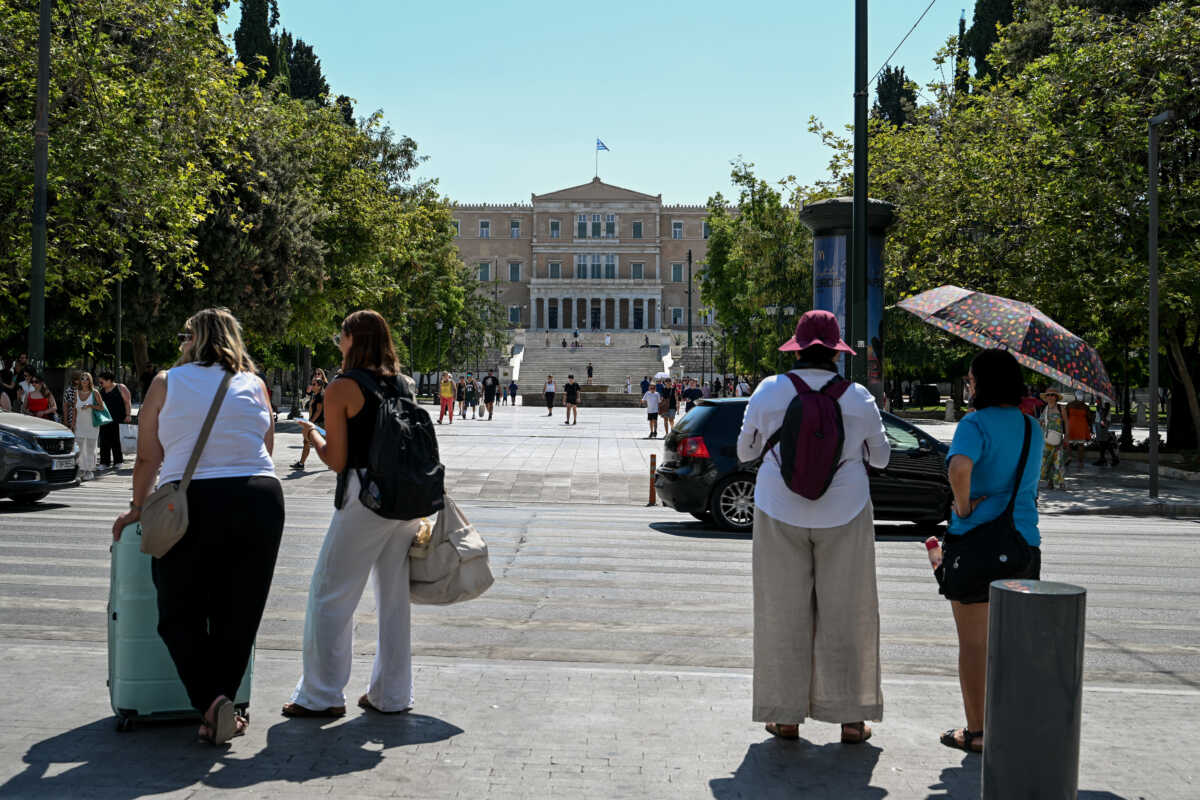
(816, 605)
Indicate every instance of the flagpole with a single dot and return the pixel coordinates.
(597, 149)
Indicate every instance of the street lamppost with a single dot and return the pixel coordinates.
(1154, 122)
(439, 324)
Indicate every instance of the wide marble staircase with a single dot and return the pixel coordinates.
(624, 355)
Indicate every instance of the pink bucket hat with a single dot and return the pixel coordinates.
(817, 327)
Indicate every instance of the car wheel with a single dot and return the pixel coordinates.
(732, 503)
(29, 499)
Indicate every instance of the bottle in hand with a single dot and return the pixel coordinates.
(934, 550)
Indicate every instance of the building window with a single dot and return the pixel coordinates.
(555, 228)
(676, 229)
(610, 226)
(485, 229)
(485, 271)
(595, 266)
(514, 315)
(637, 229)
(581, 266)
(637, 271)
(514, 271)
(610, 267)
(595, 226)
(581, 226)
(514, 229)
(706, 229)
(555, 269)
(457, 227)
(677, 273)
(676, 315)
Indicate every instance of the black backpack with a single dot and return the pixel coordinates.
(404, 478)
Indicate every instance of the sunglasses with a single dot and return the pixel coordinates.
(185, 336)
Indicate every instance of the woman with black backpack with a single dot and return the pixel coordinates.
(358, 540)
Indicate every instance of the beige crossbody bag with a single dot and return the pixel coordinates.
(165, 512)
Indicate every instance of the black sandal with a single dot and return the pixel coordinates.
(776, 730)
(951, 740)
(861, 730)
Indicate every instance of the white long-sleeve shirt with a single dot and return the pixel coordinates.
(850, 490)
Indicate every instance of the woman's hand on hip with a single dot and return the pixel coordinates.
(128, 518)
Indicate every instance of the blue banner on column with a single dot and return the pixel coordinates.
(829, 276)
(830, 269)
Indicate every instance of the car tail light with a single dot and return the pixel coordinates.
(693, 447)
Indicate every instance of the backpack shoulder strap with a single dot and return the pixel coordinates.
(836, 387)
(1012, 500)
(366, 381)
(799, 384)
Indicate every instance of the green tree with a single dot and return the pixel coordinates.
(253, 40)
(895, 96)
(307, 82)
(982, 35)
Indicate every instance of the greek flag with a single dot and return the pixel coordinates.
(601, 145)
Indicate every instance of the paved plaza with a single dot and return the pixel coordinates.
(610, 659)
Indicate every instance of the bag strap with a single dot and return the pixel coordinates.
(1012, 500)
(205, 431)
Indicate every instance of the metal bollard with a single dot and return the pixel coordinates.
(950, 416)
(653, 494)
(1034, 690)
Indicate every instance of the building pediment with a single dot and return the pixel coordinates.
(595, 190)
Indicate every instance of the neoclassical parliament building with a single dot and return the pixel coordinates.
(590, 257)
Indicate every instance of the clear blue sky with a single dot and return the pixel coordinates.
(507, 98)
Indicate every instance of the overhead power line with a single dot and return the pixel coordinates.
(896, 49)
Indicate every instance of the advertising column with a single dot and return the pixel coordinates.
(830, 222)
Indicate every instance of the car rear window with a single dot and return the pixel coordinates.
(694, 420)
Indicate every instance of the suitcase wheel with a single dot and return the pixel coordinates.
(125, 724)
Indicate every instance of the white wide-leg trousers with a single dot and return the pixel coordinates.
(358, 543)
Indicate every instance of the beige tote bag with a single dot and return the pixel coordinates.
(453, 565)
(165, 512)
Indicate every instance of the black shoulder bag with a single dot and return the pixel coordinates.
(990, 551)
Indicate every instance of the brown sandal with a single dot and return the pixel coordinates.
(861, 732)
(297, 710)
(777, 730)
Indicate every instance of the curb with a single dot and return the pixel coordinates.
(1169, 510)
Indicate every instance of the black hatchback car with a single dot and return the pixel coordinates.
(701, 475)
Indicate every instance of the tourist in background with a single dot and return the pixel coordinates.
(316, 414)
(1079, 426)
(120, 408)
(87, 433)
(70, 397)
(1054, 436)
(446, 398)
(548, 392)
(38, 401)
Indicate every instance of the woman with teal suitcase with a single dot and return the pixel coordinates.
(212, 584)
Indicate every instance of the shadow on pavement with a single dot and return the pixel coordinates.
(155, 759)
(887, 532)
(964, 782)
(9, 507)
(779, 769)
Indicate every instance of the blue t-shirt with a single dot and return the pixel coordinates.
(991, 438)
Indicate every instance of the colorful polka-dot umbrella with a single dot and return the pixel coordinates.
(1037, 341)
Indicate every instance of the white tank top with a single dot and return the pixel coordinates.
(236, 446)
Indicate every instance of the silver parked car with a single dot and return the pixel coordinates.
(36, 457)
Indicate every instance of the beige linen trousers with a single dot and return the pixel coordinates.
(816, 622)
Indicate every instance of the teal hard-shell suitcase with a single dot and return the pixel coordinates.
(142, 681)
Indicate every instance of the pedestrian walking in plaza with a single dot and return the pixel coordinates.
(512, 391)
(645, 384)
(120, 408)
(589, 373)
(669, 408)
(1054, 436)
(38, 400)
(572, 390)
(994, 462)
(691, 394)
(213, 583)
(316, 415)
(70, 400)
(460, 394)
(564, 343)
(1079, 426)
(628, 385)
(8, 388)
(446, 397)
(358, 544)
(471, 394)
(548, 392)
(1106, 440)
(651, 399)
(85, 400)
(816, 604)
(491, 384)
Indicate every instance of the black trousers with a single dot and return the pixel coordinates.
(549, 401)
(213, 584)
(110, 443)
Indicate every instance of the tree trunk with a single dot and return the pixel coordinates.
(141, 355)
(1181, 435)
